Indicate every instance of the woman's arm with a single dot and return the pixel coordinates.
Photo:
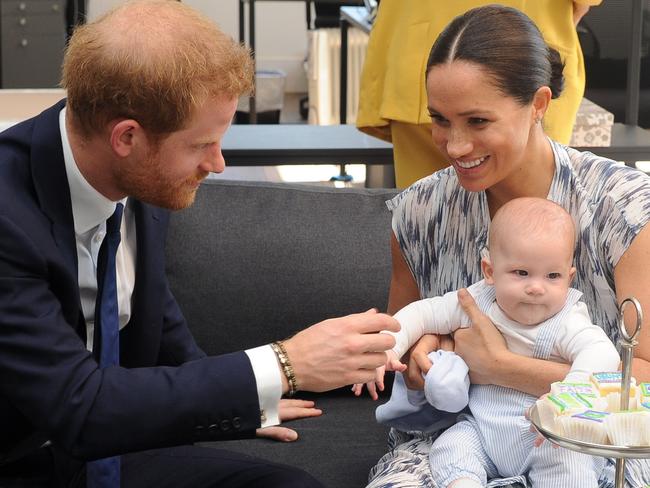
(632, 278)
(403, 289)
(484, 350)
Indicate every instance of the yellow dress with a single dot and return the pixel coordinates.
(392, 98)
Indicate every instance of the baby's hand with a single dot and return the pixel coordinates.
(539, 438)
(392, 364)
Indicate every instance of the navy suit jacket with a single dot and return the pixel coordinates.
(166, 392)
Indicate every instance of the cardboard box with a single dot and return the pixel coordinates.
(593, 126)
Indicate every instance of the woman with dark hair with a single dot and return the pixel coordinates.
(391, 104)
(490, 78)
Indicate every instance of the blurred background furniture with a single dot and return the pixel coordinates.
(616, 47)
(32, 38)
(326, 14)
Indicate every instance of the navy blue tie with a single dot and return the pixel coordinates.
(105, 473)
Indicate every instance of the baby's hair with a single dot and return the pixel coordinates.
(532, 217)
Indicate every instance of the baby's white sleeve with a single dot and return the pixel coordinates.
(437, 315)
(586, 346)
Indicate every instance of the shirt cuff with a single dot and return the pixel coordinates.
(269, 383)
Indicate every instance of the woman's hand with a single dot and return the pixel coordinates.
(481, 346)
(417, 359)
(289, 410)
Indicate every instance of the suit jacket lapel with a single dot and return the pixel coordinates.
(51, 185)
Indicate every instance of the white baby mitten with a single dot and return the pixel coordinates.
(446, 385)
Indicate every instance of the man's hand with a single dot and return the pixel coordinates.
(481, 346)
(289, 410)
(341, 351)
(418, 360)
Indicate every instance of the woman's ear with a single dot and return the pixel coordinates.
(541, 99)
(488, 271)
(125, 134)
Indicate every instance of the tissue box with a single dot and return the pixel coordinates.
(593, 126)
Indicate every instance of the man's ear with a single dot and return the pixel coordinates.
(488, 271)
(125, 134)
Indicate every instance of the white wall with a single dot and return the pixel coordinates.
(281, 32)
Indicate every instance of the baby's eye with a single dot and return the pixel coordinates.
(521, 272)
(554, 276)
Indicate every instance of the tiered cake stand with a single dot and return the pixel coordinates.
(620, 453)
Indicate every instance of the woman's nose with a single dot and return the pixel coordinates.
(458, 144)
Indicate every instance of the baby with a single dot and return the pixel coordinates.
(526, 294)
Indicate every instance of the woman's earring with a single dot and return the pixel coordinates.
(538, 119)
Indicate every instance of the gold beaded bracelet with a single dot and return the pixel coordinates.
(287, 368)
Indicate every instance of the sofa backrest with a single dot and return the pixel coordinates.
(252, 262)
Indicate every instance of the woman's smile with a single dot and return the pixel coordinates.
(470, 163)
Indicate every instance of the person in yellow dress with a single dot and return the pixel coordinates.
(392, 99)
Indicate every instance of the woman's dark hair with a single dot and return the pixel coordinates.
(508, 45)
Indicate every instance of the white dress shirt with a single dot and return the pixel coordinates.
(90, 210)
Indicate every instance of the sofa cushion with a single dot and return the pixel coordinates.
(253, 262)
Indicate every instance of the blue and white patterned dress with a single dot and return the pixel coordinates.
(442, 229)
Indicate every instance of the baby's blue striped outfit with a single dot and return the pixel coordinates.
(496, 441)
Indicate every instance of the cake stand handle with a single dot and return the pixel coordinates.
(627, 343)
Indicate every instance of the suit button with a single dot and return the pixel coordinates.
(213, 428)
(199, 430)
(225, 425)
(236, 423)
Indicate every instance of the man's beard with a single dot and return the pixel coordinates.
(149, 183)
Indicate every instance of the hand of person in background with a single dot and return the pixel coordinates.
(481, 346)
(579, 11)
(392, 364)
(289, 409)
(340, 351)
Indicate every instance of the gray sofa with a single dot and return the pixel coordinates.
(253, 262)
